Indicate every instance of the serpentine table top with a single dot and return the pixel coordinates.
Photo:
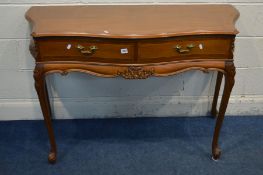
(132, 21)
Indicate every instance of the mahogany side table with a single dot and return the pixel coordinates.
(133, 42)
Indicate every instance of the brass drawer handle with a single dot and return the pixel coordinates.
(180, 49)
(91, 50)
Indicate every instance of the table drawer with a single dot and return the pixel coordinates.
(184, 47)
(84, 50)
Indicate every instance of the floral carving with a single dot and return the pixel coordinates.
(33, 49)
(233, 45)
(230, 68)
(134, 72)
(64, 72)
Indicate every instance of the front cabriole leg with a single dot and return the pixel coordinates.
(230, 72)
(41, 88)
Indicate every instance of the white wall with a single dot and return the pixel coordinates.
(83, 96)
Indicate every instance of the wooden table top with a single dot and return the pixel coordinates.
(132, 21)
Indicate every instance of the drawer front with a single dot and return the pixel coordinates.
(85, 50)
(184, 48)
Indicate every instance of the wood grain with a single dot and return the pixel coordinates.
(211, 47)
(136, 21)
(138, 50)
(107, 51)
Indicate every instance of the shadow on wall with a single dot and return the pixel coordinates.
(79, 95)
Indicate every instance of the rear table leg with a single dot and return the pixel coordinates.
(214, 111)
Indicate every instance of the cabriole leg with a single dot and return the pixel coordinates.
(229, 83)
(214, 111)
(41, 88)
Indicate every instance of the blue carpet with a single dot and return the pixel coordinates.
(135, 146)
